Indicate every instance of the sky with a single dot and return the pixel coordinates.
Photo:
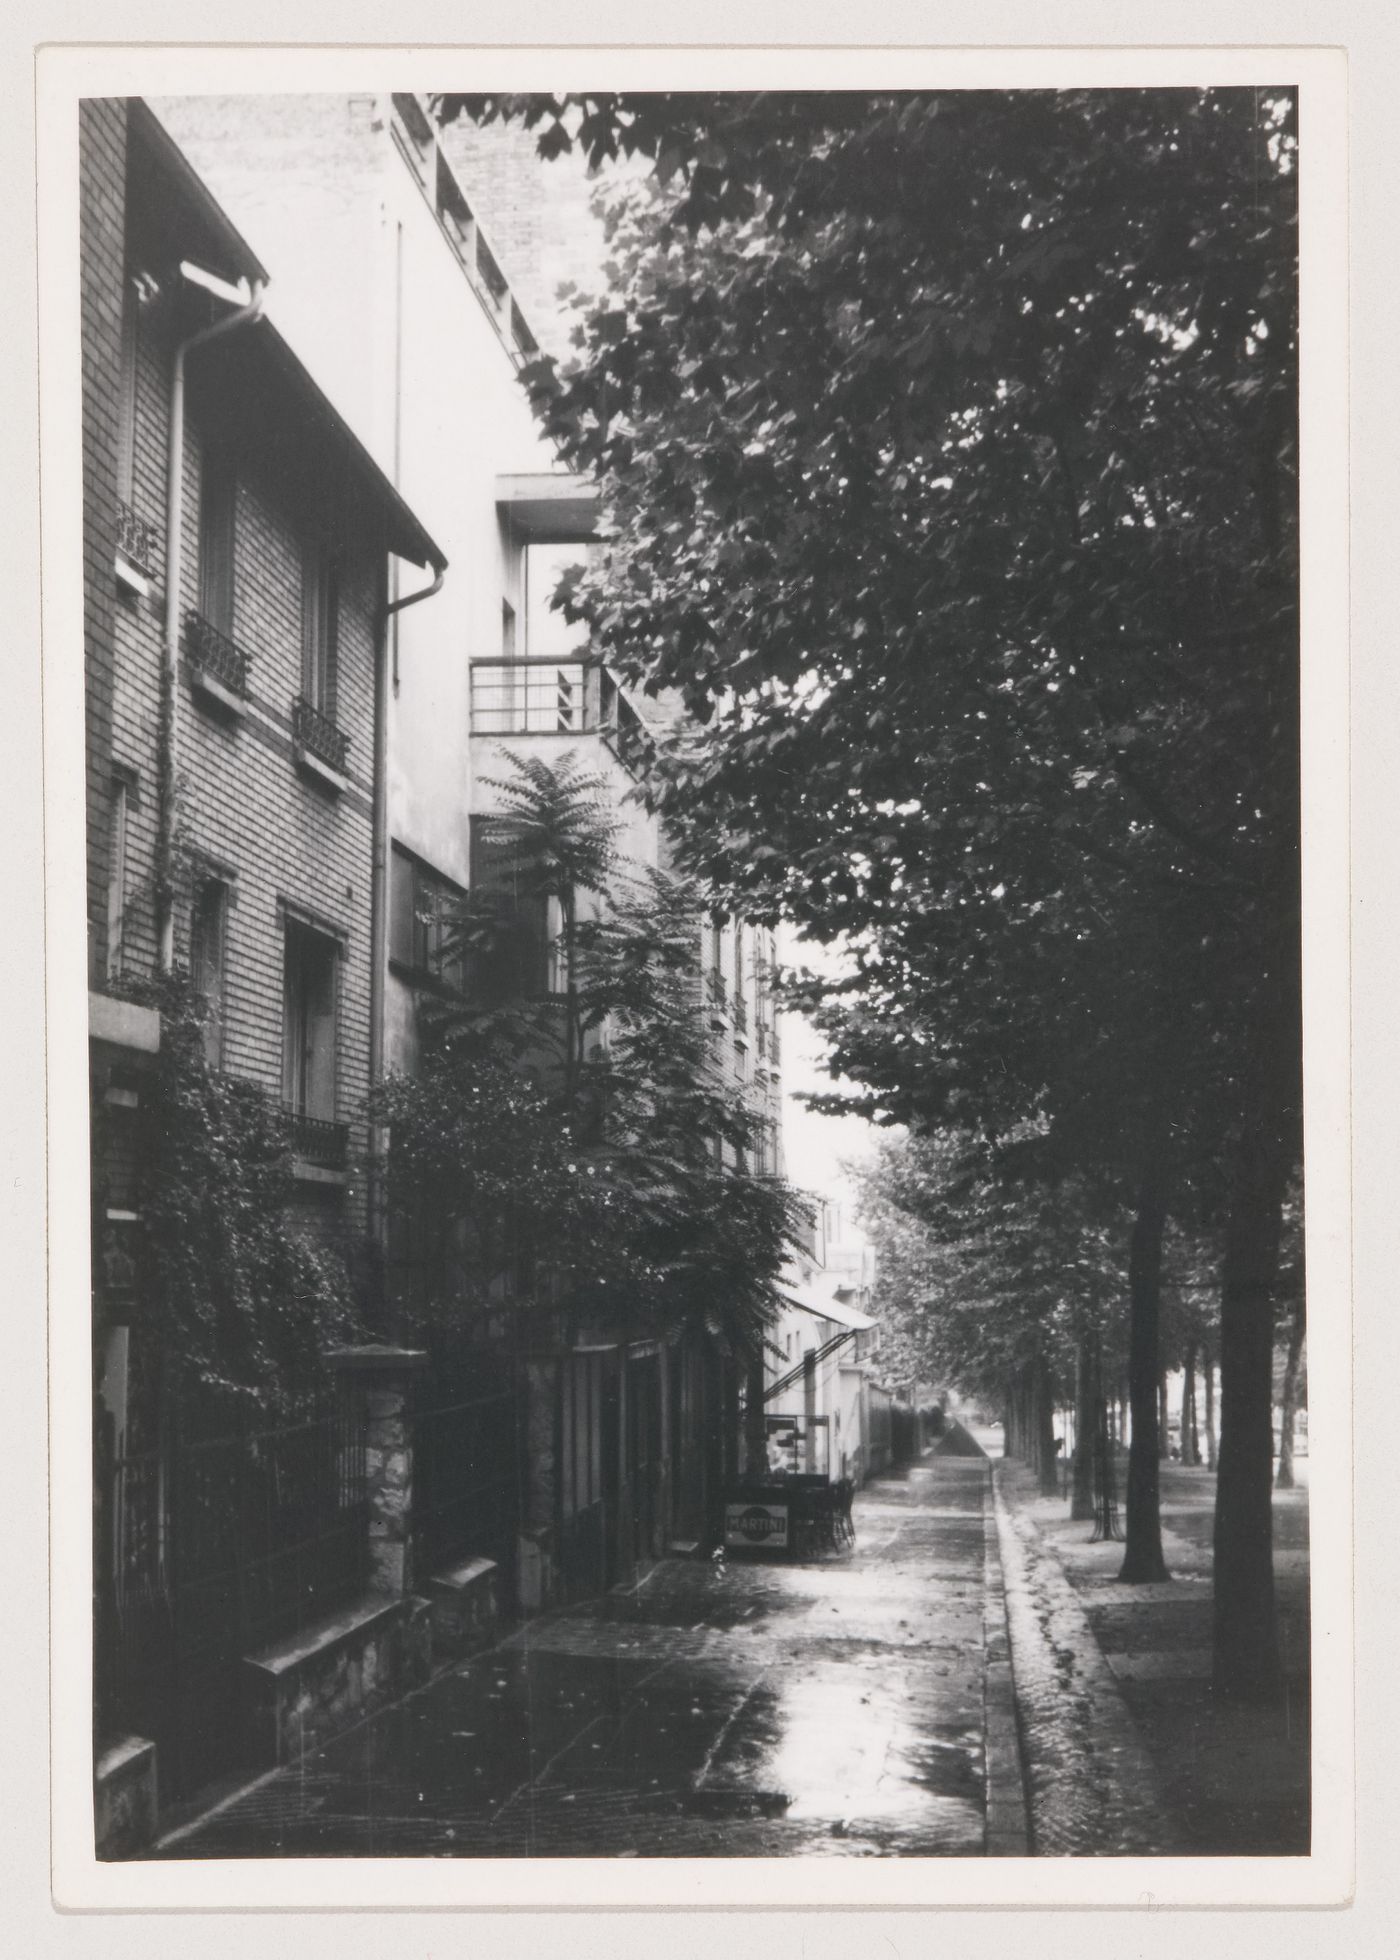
(816, 1145)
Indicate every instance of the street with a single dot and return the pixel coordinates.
(718, 1708)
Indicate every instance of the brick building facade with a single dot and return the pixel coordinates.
(232, 658)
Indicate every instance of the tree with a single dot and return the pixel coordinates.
(570, 1150)
(995, 1284)
(947, 447)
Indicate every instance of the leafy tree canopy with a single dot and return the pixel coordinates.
(947, 449)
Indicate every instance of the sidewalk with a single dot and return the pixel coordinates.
(1226, 1779)
(854, 1706)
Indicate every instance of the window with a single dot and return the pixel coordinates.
(320, 623)
(208, 937)
(309, 1022)
(453, 209)
(218, 498)
(417, 128)
(116, 877)
(126, 395)
(423, 909)
(519, 959)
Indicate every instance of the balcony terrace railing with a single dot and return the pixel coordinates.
(136, 541)
(556, 697)
(318, 1142)
(533, 697)
(215, 654)
(317, 733)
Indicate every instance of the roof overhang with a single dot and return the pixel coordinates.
(548, 507)
(810, 1300)
(187, 204)
(256, 386)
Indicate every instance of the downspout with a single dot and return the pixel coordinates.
(170, 668)
(379, 897)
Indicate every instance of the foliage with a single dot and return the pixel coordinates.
(240, 1297)
(980, 1273)
(950, 479)
(574, 1153)
(948, 450)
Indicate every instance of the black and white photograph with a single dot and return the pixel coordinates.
(695, 797)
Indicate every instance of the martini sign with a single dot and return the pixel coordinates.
(756, 1527)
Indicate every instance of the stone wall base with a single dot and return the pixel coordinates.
(124, 1798)
(305, 1690)
(466, 1609)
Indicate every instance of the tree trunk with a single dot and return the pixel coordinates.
(1190, 1454)
(1208, 1369)
(1047, 1461)
(1289, 1410)
(1086, 1394)
(755, 1420)
(1246, 1653)
(1163, 1429)
(1143, 1561)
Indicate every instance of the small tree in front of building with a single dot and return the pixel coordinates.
(570, 1150)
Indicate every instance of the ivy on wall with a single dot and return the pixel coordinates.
(238, 1292)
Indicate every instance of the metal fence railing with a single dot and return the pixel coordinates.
(235, 1532)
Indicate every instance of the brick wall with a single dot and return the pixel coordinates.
(102, 207)
(286, 845)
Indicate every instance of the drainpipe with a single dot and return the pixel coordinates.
(379, 893)
(174, 554)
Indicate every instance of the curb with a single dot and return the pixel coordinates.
(1007, 1811)
(1091, 1786)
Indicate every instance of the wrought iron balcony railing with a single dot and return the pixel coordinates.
(318, 1142)
(136, 540)
(215, 654)
(318, 734)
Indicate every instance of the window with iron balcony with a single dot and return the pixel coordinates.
(214, 656)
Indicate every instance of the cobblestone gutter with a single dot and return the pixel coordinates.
(1092, 1789)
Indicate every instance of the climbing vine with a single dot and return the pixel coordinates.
(240, 1293)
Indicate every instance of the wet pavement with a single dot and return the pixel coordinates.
(729, 1708)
